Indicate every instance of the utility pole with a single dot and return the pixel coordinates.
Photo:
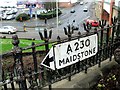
(1, 17)
(102, 5)
(111, 14)
(111, 11)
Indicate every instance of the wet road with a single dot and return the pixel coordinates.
(79, 16)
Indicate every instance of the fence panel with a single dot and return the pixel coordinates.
(36, 76)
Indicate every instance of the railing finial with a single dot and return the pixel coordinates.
(15, 40)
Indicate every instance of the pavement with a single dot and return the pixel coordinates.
(83, 80)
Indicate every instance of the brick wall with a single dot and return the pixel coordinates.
(65, 4)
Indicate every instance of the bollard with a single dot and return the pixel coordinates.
(24, 27)
(45, 20)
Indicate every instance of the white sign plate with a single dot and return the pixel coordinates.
(73, 51)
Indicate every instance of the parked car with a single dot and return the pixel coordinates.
(93, 23)
(10, 17)
(8, 29)
(72, 11)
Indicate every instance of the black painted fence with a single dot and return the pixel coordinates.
(37, 76)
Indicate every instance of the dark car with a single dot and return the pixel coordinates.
(85, 9)
(72, 11)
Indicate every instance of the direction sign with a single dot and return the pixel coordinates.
(71, 52)
(48, 61)
(68, 53)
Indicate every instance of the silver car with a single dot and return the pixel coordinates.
(8, 29)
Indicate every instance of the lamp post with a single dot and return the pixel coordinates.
(1, 17)
(57, 13)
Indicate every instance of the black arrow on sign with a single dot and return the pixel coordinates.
(48, 60)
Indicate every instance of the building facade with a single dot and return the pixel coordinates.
(106, 10)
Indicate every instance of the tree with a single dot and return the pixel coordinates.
(49, 5)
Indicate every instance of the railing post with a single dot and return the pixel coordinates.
(102, 24)
(118, 30)
(30, 78)
(107, 45)
(35, 62)
(18, 63)
(69, 33)
(12, 83)
(87, 28)
(114, 21)
(3, 80)
(46, 40)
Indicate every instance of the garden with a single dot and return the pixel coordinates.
(110, 80)
(7, 46)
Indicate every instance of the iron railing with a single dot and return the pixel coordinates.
(36, 76)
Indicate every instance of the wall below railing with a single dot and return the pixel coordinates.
(83, 80)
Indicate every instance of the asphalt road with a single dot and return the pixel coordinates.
(79, 16)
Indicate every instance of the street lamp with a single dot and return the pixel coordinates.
(57, 18)
(1, 17)
(57, 13)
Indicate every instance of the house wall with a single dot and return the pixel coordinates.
(105, 15)
(65, 4)
(98, 12)
(115, 12)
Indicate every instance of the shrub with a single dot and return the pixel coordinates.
(22, 17)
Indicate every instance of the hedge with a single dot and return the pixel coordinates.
(22, 17)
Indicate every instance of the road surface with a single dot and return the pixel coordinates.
(79, 16)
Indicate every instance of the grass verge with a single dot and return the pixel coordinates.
(6, 44)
